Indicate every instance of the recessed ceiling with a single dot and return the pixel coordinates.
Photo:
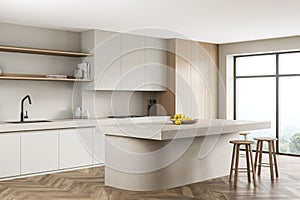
(216, 21)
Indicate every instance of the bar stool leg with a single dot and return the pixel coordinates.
(271, 160)
(252, 164)
(248, 163)
(256, 154)
(236, 164)
(232, 162)
(260, 157)
(275, 159)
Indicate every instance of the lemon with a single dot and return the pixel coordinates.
(177, 122)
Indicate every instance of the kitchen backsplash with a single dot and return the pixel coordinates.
(107, 103)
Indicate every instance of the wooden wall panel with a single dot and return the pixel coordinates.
(195, 78)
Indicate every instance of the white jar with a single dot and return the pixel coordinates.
(85, 114)
(78, 113)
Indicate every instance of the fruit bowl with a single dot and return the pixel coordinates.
(182, 121)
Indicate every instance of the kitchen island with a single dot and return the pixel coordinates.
(147, 156)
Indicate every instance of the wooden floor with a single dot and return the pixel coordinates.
(89, 184)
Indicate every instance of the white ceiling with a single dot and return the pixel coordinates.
(217, 21)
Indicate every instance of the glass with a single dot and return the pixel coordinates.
(256, 101)
(289, 115)
(256, 65)
(289, 63)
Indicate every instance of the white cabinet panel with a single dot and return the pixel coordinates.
(76, 147)
(9, 154)
(98, 148)
(39, 151)
(133, 62)
(119, 61)
(107, 60)
(156, 64)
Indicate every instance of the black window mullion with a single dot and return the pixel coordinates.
(234, 87)
(277, 103)
(256, 76)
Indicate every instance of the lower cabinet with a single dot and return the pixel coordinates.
(76, 147)
(9, 154)
(32, 152)
(39, 151)
(98, 148)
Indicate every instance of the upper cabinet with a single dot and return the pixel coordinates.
(156, 64)
(133, 62)
(125, 61)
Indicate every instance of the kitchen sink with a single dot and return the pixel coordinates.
(28, 122)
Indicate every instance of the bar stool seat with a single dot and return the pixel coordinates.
(235, 160)
(265, 139)
(272, 155)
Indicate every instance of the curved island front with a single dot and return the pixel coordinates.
(147, 156)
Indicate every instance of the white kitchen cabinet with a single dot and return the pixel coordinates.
(107, 60)
(156, 64)
(122, 62)
(9, 154)
(98, 147)
(39, 151)
(76, 146)
(133, 62)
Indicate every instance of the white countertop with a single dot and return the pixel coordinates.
(76, 123)
(54, 124)
(167, 130)
(154, 128)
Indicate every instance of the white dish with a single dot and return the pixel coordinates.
(193, 121)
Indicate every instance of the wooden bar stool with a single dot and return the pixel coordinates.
(272, 155)
(244, 134)
(235, 160)
(245, 137)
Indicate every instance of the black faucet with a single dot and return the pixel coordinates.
(22, 107)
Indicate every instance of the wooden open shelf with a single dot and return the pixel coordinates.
(35, 77)
(42, 51)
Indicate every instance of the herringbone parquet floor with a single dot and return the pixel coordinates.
(88, 184)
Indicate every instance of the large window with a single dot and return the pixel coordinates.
(265, 89)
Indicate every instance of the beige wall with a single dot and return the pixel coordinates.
(50, 100)
(226, 53)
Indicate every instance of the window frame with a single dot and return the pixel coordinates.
(277, 76)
